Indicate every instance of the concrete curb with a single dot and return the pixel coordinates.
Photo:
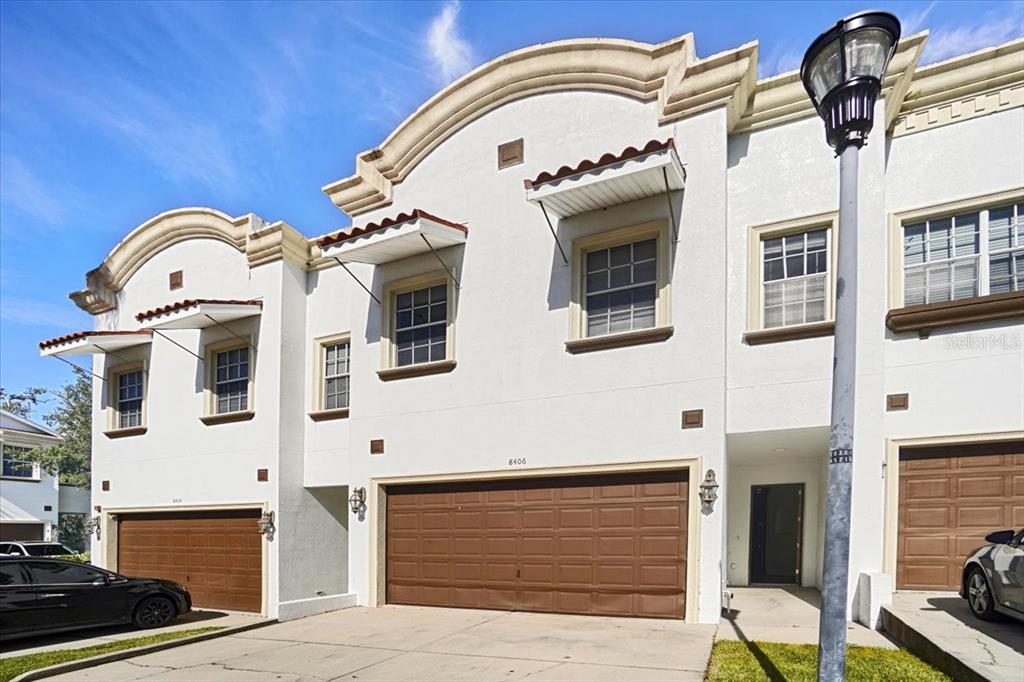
(927, 650)
(72, 666)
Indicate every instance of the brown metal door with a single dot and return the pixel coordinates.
(218, 556)
(949, 499)
(613, 545)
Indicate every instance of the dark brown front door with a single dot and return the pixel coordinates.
(587, 544)
(776, 530)
(218, 556)
(21, 531)
(950, 498)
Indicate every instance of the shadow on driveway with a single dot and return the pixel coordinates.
(1006, 630)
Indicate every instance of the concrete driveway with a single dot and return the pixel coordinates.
(411, 643)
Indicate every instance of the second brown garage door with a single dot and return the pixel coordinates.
(949, 499)
(218, 556)
(612, 545)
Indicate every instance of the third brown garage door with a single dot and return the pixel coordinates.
(611, 545)
(217, 555)
(949, 499)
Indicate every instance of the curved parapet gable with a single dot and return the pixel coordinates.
(258, 241)
(668, 72)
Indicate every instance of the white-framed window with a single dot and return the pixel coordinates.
(795, 278)
(231, 380)
(620, 282)
(129, 399)
(336, 369)
(964, 254)
(420, 323)
(17, 462)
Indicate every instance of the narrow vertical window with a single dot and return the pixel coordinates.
(421, 322)
(231, 383)
(129, 399)
(621, 288)
(1006, 249)
(795, 278)
(336, 375)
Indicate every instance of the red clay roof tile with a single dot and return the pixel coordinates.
(401, 218)
(189, 303)
(605, 160)
(67, 338)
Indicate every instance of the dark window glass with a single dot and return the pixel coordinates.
(421, 319)
(50, 549)
(10, 574)
(60, 573)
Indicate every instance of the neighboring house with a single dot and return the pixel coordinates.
(32, 501)
(523, 412)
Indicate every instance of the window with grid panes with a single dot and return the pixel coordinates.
(795, 278)
(129, 399)
(950, 258)
(231, 382)
(336, 375)
(421, 322)
(621, 287)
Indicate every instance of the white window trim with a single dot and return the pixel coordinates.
(210, 397)
(977, 203)
(757, 234)
(392, 289)
(113, 411)
(659, 230)
(320, 345)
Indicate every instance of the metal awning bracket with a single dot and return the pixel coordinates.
(80, 369)
(190, 352)
(353, 276)
(671, 211)
(441, 261)
(565, 259)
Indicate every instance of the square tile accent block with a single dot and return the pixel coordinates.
(897, 401)
(693, 419)
(105, 486)
(262, 475)
(47, 507)
(377, 446)
(510, 153)
(177, 280)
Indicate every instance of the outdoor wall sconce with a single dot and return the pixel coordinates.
(265, 525)
(709, 491)
(357, 500)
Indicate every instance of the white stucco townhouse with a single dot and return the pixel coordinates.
(577, 280)
(32, 500)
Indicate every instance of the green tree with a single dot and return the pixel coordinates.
(72, 419)
(24, 402)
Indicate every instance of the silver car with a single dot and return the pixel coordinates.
(993, 581)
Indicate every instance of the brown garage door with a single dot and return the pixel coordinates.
(949, 499)
(217, 555)
(21, 531)
(600, 545)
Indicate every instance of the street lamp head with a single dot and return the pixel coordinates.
(842, 72)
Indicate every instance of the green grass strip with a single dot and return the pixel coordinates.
(16, 665)
(774, 662)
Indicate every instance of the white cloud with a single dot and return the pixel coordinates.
(951, 40)
(32, 313)
(23, 190)
(450, 53)
(914, 22)
(779, 60)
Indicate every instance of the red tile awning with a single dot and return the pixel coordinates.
(390, 239)
(614, 178)
(196, 313)
(92, 342)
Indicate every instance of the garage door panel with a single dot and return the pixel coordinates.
(559, 545)
(217, 555)
(948, 501)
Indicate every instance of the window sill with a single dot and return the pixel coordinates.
(928, 316)
(327, 415)
(423, 369)
(653, 335)
(798, 331)
(23, 479)
(126, 432)
(214, 419)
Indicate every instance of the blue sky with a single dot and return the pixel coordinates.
(113, 112)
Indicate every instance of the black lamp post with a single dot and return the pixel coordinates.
(842, 72)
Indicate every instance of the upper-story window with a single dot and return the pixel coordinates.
(231, 382)
(129, 399)
(17, 462)
(419, 326)
(336, 375)
(795, 284)
(963, 255)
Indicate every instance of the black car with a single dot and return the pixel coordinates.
(44, 596)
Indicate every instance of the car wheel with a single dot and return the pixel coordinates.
(154, 612)
(979, 595)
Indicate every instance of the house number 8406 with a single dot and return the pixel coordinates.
(516, 461)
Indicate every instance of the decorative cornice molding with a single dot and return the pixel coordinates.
(278, 241)
(669, 72)
(963, 88)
